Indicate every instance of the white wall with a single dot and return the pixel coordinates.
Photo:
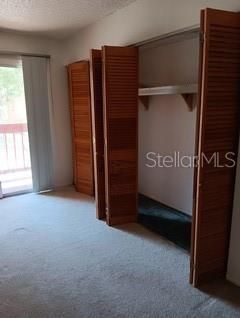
(168, 127)
(141, 20)
(12, 42)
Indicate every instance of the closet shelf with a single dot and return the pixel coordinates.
(168, 90)
(187, 92)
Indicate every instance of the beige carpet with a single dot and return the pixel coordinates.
(57, 260)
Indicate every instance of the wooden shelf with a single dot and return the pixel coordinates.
(187, 92)
(168, 90)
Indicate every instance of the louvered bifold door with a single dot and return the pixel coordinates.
(80, 106)
(97, 125)
(120, 71)
(218, 139)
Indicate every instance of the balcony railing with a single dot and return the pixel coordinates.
(14, 148)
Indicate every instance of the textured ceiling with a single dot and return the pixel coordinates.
(56, 18)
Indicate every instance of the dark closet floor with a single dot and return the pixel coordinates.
(170, 223)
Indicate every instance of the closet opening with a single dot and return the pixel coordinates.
(156, 107)
(168, 77)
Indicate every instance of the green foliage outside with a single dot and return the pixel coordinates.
(11, 87)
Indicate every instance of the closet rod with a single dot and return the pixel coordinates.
(23, 54)
(193, 29)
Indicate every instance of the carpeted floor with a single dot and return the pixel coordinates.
(57, 260)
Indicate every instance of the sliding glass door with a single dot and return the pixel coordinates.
(15, 163)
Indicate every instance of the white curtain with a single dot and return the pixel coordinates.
(36, 84)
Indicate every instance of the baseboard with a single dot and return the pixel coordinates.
(233, 280)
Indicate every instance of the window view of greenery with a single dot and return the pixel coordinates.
(15, 164)
(12, 99)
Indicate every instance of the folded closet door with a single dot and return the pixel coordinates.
(97, 129)
(80, 106)
(120, 90)
(218, 137)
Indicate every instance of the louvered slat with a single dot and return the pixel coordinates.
(218, 132)
(120, 129)
(80, 106)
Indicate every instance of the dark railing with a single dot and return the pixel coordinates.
(14, 148)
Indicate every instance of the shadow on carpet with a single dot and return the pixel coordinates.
(168, 222)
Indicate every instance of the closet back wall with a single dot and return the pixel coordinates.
(168, 126)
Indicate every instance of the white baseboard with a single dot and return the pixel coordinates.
(233, 280)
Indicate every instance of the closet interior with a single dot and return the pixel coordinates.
(173, 97)
(168, 77)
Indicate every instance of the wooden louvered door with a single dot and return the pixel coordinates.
(80, 106)
(97, 127)
(120, 92)
(218, 134)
